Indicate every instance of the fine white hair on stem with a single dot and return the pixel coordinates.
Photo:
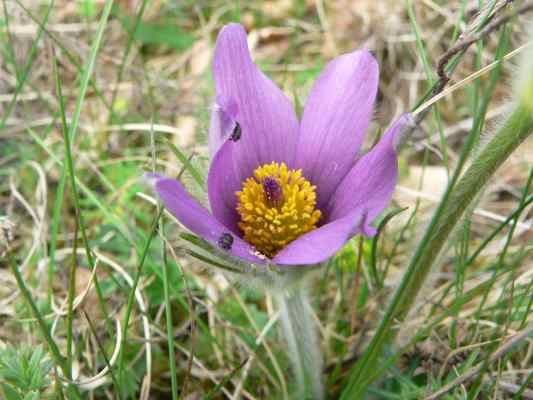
(300, 334)
(426, 295)
(523, 82)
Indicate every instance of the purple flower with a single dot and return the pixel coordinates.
(280, 190)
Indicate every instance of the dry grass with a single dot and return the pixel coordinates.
(233, 329)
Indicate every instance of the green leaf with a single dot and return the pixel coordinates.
(168, 34)
(36, 358)
(10, 392)
(87, 8)
(32, 396)
(195, 172)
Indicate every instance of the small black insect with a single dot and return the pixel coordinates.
(237, 132)
(225, 241)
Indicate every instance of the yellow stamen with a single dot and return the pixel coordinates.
(276, 205)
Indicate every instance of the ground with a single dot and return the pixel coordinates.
(147, 107)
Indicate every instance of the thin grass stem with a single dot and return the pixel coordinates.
(121, 68)
(21, 78)
(54, 349)
(131, 297)
(72, 175)
(70, 299)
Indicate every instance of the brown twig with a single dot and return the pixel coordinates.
(470, 37)
(511, 388)
(465, 41)
(502, 351)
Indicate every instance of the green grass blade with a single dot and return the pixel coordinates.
(170, 326)
(378, 281)
(211, 394)
(431, 80)
(131, 297)
(88, 69)
(21, 78)
(103, 352)
(121, 68)
(64, 51)
(70, 300)
(56, 354)
(91, 195)
(69, 135)
(195, 173)
(416, 273)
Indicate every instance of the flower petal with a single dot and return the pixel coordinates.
(197, 219)
(266, 117)
(335, 120)
(322, 243)
(223, 122)
(369, 185)
(222, 183)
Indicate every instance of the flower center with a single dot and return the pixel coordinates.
(276, 206)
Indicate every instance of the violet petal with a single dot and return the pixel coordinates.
(335, 119)
(198, 220)
(222, 183)
(320, 244)
(369, 185)
(266, 116)
(223, 122)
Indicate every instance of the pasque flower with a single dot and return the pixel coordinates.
(284, 191)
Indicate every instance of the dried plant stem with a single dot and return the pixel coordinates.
(447, 62)
(300, 333)
(466, 41)
(507, 347)
(70, 301)
(45, 331)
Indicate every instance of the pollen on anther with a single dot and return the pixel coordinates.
(276, 206)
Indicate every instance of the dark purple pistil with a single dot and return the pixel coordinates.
(273, 192)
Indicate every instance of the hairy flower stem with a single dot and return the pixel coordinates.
(300, 333)
(514, 131)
